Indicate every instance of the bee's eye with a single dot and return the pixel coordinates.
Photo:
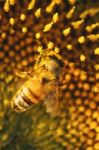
(45, 80)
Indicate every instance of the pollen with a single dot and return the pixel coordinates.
(96, 51)
(31, 5)
(12, 21)
(70, 13)
(91, 12)
(38, 12)
(66, 31)
(82, 57)
(50, 7)
(3, 35)
(72, 2)
(40, 49)
(6, 6)
(93, 37)
(50, 45)
(22, 17)
(12, 2)
(77, 24)
(69, 46)
(81, 39)
(90, 28)
(24, 29)
(57, 49)
(37, 35)
(55, 17)
(97, 66)
(48, 27)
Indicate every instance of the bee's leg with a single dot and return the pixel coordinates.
(23, 74)
(27, 74)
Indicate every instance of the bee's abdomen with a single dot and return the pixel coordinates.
(24, 99)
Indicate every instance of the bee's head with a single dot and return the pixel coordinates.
(52, 62)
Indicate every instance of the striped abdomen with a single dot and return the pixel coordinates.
(24, 99)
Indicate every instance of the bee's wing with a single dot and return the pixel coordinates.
(52, 97)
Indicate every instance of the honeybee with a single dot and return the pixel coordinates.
(43, 85)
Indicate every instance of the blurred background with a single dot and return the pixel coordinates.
(71, 27)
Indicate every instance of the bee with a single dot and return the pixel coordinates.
(43, 84)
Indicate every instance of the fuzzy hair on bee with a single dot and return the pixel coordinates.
(42, 85)
(52, 62)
